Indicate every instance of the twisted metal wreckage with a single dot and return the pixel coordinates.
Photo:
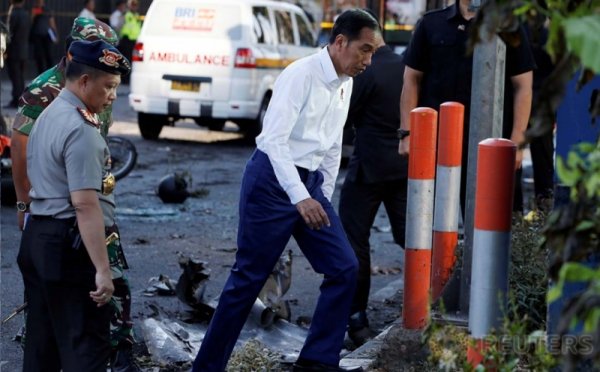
(173, 341)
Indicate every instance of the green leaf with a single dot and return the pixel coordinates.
(571, 272)
(585, 225)
(582, 39)
(568, 176)
(591, 321)
(587, 147)
(574, 159)
(523, 9)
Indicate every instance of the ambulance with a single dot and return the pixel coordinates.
(213, 61)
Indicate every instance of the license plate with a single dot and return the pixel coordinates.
(186, 86)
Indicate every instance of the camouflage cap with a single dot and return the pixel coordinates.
(91, 29)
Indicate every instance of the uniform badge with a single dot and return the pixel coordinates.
(110, 58)
(108, 184)
(461, 27)
(89, 117)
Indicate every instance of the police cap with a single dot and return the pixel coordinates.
(92, 29)
(100, 55)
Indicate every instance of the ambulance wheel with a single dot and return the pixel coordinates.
(151, 125)
(211, 123)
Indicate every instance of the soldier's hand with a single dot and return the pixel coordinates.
(104, 288)
(404, 146)
(313, 213)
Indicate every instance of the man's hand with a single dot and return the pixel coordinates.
(519, 159)
(404, 146)
(313, 213)
(21, 220)
(104, 288)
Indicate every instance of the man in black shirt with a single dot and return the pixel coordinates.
(376, 172)
(438, 69)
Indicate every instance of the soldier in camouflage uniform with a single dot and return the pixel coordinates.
(37, 96)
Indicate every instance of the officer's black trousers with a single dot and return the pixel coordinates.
(359, 203)
(65, 328)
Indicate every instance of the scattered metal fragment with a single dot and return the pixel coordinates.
(173, 342)
(161, 285)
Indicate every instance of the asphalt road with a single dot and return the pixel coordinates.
(155, 235)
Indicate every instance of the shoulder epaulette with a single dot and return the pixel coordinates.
(89, 118)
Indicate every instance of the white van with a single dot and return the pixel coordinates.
(213, 60)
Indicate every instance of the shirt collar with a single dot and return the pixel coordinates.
(453, 10)
(70, 97)
(329, 72)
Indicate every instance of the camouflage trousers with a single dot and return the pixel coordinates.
(121, 325)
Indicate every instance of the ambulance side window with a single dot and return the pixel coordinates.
(285, 29)
(305, 32)
(263, 28)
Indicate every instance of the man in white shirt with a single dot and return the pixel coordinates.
(286, 191)
(88, 9)
(117, 18)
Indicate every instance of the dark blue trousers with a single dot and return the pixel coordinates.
(267, 221)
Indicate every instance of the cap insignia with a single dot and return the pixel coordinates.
(110, 58)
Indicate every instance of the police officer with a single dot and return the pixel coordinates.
(63, 256)
(38, 95)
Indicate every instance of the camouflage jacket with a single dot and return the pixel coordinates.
(40, 93)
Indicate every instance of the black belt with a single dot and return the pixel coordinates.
(40, 217)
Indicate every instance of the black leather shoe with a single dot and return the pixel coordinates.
(358, 328)
(360, 336)
(123, 361)
(305, 365)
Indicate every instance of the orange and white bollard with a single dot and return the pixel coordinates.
(491, 240)
(419, 217)
(447, 195)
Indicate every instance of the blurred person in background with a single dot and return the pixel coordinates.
(16, 50)
(130, 32)
(43, 35)
(3, 42)
(117, 18)
(88, 9)
(376, 175)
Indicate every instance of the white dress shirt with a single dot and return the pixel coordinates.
(86, 13)
(304, 123)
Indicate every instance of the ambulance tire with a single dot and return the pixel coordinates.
(211, 123)
(151, 125)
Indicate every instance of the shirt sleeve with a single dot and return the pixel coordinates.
(289, 94)
(417, 51)
(330, 167)
(84, 154)
(519, 59)
(23, 124)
